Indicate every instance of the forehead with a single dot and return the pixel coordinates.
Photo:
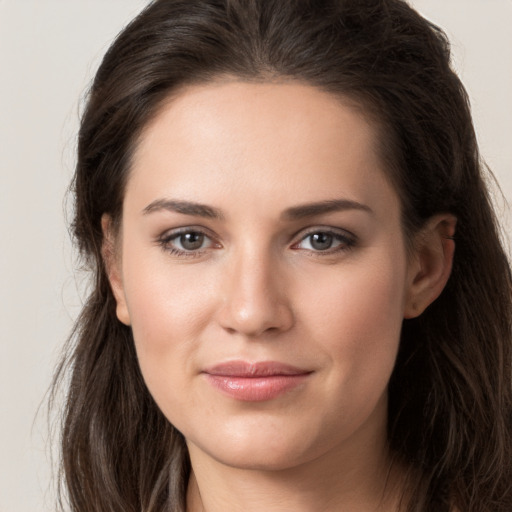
(283, 109)
(287, 140)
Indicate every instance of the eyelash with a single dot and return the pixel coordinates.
(345, 239)
(165, 242)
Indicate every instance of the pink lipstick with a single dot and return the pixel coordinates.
(255, 382)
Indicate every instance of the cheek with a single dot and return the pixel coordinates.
(160, 293)
(168, 308)
(357, 316)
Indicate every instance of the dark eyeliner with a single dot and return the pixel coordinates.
(347, 240)
(166, 238)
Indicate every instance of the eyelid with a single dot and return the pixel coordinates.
(349, 238)
(164, 240)
(346, 238)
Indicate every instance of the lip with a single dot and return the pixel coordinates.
(255, 382)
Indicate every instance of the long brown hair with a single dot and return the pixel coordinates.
(450, 396)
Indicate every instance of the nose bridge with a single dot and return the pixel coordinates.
(255, 299)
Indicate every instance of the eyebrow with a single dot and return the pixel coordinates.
(293, 213)
(184, 207)
(322, 207)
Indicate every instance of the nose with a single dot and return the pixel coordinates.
(254, 301)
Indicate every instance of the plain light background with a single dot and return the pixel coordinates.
(49, 50)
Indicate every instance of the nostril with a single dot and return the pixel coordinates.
(254, 325)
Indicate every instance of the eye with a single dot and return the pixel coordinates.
(189, 241)
(186, 242)
(325, 241)
(320, 241)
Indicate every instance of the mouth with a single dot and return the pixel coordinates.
(255, 382)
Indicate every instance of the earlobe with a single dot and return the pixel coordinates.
(112, 266)
(431, 265)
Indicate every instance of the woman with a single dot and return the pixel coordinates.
(301, 301)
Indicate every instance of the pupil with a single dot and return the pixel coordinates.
(321, 241)
(191, 241)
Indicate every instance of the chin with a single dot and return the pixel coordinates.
(259, 458)
(269, 447)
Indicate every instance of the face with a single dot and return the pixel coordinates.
(261, 265)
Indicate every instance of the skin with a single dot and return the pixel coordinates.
(258, 289)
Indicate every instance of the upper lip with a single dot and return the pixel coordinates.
(255, 369)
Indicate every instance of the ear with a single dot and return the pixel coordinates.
(112, 262)
(431, 264)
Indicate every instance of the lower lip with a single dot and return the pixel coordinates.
(256, 389)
